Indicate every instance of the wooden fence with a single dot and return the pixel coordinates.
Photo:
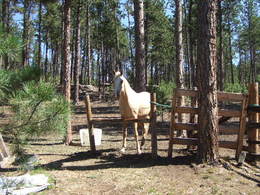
(192, 109)
(234, 105)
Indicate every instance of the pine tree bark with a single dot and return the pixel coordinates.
(139, 42)
(89, 78)
(117, 34)
(146, 38)
(207, 85)
(220, 49)
(179, 55)
(179, 44)
(252, 50)
(67, 62)
(6, 26)
(46, 56)
(26, 18)
(229, 7)
(191, 45)
(77, 55)
(130, 37)
(39, 35)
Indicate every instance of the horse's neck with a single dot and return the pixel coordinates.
(127, 88)
(127, 94)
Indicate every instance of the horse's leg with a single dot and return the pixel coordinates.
(124, 137)
(136, 138)
(145, 127)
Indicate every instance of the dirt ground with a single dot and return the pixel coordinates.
(74, 170)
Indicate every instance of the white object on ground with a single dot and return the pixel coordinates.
(22, 185)
(84, 136)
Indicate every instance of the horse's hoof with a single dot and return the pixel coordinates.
(122, 150)
(139, 152)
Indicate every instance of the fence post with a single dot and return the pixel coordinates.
(3, 149)
(90, 125)
(171, 132)
(153, 125)
(253, 117)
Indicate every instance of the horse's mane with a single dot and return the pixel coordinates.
(126, 84)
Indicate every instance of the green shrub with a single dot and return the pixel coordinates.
(12, 81)
(164, 91)
(10, 45)
(4, 85)
(235, 88)
(38, 110)
(19, 77)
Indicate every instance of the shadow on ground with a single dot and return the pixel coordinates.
(113, 159)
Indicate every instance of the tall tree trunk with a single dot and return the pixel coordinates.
(130, 37)
(89, 78)
(6, 26)
(46, 56)
(39, 34)
(146, 38)
(230, 43)
(72, 48)
(179, 45)
(139, 43)
(77, 54)
(67, 62)
(5, 15)
(230, 54)
(26, 18)
(55, 61)
(186, 59)
(179, 54)
(240, 65)
(99, 69)
(220, 50)
(117, 36)
(207, 85)
(191, 45)
(252, 51)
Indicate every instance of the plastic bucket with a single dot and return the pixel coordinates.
(84, 136)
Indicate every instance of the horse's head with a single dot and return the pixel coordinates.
(118, 83)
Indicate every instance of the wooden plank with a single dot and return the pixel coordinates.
(253, 108)
(186, 92)
(242, 128)
(228, 144)
(253, 117)
(90, 125)
(186, 126)
(194, 141)
(172, 124)
(225, 96)
(228, 129)
(152, 126)
(95, 120)
(229, 113)
(252, 126)
(187, 110)
(185, 141)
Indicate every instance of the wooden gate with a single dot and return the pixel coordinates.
(226, 111)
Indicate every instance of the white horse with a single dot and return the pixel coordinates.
(132, 105)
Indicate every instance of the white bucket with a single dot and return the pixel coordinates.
(84, 136)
